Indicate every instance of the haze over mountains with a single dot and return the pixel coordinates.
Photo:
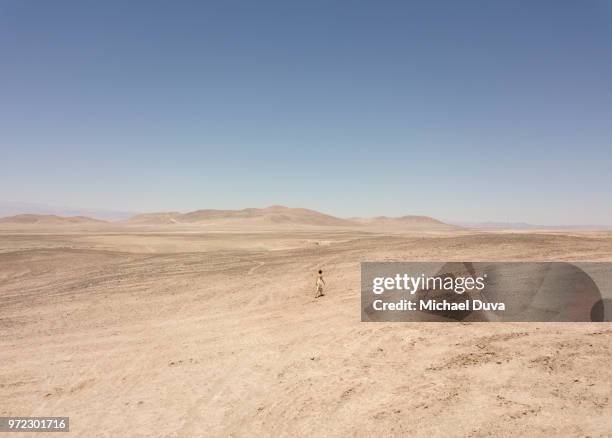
(267, 218)
(414, 221)
(525, 226)
(277, 216)
(271, 215)
(18, 208)
(48, 219)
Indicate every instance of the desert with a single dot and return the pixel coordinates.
(306, 219)
(175, 330)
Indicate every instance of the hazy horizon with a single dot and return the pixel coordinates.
(8, 209)
(466, 112)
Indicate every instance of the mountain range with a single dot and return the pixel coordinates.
(276, 216)
(18, 208)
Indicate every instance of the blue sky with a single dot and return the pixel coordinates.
(465, 111)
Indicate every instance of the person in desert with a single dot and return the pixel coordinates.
(319, 284)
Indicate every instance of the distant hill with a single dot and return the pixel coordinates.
(154, 218)
(280, 216)
(18, 208)
(526, 226)
(405, 223)
(47, 219)
(275, 215)
(416, 220)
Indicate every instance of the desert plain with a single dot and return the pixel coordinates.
(138, 330)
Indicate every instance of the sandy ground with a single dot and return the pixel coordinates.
(148, 334)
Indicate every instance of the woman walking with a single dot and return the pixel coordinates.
(319, 284)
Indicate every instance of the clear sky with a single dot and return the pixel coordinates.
(462, 110)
